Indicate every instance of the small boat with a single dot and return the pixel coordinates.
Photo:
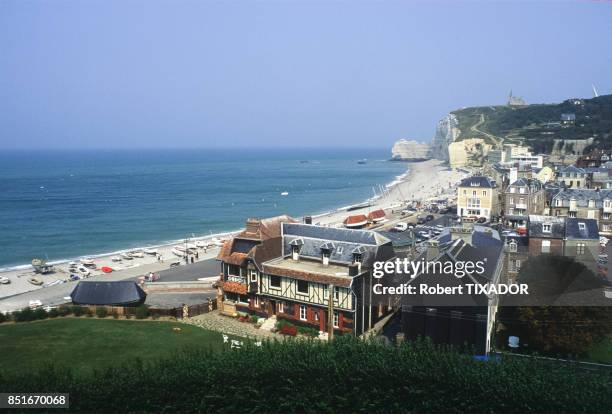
(191, 246)
(116, 258)
(217, 242)
(106, 269)
(200, 244)
(87, 262)
(179, 248)
(84, 271)
(285, 193)
(363, 161)
(137, 253)
(126, 256)
(179, 253)
(151, 252)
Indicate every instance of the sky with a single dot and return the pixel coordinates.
(190, 74)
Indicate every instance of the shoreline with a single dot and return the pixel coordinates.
(421, 181)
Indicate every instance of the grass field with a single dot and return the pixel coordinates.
(84, 344)
(601, 352)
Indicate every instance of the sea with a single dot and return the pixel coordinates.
(61, 205)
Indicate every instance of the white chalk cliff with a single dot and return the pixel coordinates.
(410, 150)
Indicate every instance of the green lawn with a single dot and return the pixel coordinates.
(85, 344)
(601, 352)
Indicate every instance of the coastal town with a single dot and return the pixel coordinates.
(312, 275)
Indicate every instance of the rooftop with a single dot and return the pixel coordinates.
(309, 269)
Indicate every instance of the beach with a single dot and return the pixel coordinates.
(422, 181)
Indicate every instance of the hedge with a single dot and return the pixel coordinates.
(346, 375)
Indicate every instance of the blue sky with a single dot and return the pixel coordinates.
(130, 74)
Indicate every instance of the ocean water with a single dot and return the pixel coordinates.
(62, 205)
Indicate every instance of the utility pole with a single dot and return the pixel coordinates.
(330, 314)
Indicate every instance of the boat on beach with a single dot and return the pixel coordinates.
(116, 258)
(126, 256)
(86, 261)
(177, 252)
(200, 244)
(151, 252)
(137, 254)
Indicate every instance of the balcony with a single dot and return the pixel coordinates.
(607, 209)
(237, 279)
(520, 206)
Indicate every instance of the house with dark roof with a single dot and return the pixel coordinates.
(323, 271)
(546, 234)
(572, 177)
(517, 253)
(522, 198)
(477, 196)
(595, 158)
(456, 319)
(582, 241)
(241, 262)
(587, 204)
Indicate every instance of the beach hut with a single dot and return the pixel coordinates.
(356, 222)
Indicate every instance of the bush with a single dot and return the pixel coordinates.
(4, 318)
(414, 377)
(254, 318)
(115, 315)
(88, 313)
(77, 310)
(40, 313)
(128, 316)
(142, 312)
(101, 312)
(64, 311)
(308, 331)
(54, 313)
(24, 315)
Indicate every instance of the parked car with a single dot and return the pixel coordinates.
(482, 220)
(35, 281)
(4, 280)
(36, 303)
(429, 217)
(401, 226)
(421, 220)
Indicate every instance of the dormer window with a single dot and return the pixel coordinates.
(581, 226)
(546, 228)
(591, 203)
(326, 250)
(474, 184)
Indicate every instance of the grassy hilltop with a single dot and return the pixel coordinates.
(538, 125)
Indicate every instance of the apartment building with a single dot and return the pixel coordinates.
(572, 177)
(523, 197)
(593, 204)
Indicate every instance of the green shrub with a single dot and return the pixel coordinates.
(415, 377)
(142, 312)
(4, 318)
(128, 316)
(64, 310)
(77, 310)
(101, 312)
(54, 313)
(24, 315)
(308, 331)
(254, 318)
(115, 315)
(40, 313)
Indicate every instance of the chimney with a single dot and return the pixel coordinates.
(433, 250)
(308, 220)
(354, 269)
(325, 258)
(295, 253)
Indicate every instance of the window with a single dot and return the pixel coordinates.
(303, 312)
(357, 258)
(275, 282)
(325, 292)
(243, 299)
(591, 214)
(511, 200)
(484, 193)
(546, 228)
(336, 320)
(517, 263)
(606, 216)
(473, 203)
(522, 190)
(558, 202)
(464, 192)
(545, 246)
(316, 316)
(580, 248)
(302, 287)
(280, 307)
(512, 189)
(512, 246)
(474, 193)
(572, 214)
(233, 270)
(336, 293)
(339, 249)
(253, 276)
(256, 301)
(591, 203)
(581, 226)
(605, 227)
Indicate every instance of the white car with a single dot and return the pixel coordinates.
(400, 227)
(84, 271)
(4, 280)
(35, 304)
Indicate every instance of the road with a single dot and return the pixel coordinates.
(54, 295)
